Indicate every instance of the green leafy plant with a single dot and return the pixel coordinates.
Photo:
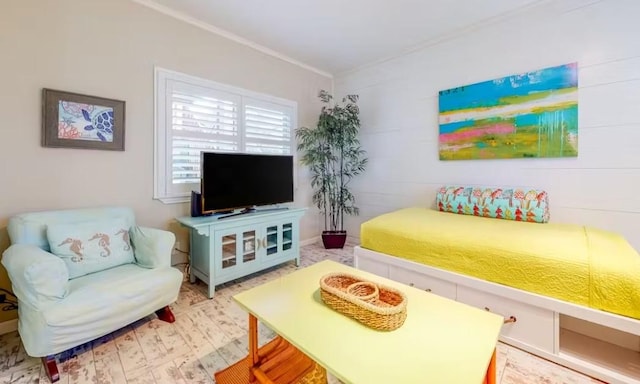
(333, 154)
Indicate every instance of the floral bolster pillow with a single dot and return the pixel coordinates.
(520, 204)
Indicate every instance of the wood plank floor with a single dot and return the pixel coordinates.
(207, 336)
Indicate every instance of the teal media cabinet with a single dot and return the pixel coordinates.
(223, 249)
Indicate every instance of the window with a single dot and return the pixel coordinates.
(195, 115)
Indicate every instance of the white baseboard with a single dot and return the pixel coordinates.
(310, 241)
(353, 240)
(8, 326)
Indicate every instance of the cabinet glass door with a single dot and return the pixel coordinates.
(272, 240)
(278, 242)
(287, 236)
(248, 246)
(238, 247)
(228, 259)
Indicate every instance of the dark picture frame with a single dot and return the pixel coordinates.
(73, 120)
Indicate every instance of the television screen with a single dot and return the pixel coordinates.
(239, 180)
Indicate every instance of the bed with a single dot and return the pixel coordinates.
(568, 293)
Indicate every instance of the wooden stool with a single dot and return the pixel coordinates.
(277, 362)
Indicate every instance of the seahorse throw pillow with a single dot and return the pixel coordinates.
(88, 247)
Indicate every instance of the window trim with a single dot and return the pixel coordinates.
(161, 190)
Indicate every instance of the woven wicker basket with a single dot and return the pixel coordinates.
(374, 305)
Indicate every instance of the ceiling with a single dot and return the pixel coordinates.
(336, 36)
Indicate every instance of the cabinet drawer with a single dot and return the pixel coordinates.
(430, 284)
(533, 326)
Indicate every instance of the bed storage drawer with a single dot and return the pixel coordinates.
(424, 282)
(533, 326)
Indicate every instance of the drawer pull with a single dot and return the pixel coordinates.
(426, 289)
(510, 319)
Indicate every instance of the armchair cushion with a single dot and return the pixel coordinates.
(97, 304)
(152, 246)
(39, 278)
(88, 247)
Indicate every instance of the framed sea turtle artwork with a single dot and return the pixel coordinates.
(72, 120)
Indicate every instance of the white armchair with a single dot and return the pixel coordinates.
(57, 312)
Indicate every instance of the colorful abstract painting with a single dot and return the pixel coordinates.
(530, 115)
(85, 122)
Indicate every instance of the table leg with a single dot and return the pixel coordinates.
(250, 369)
(253, 343)
(253, 339)
(490, 378)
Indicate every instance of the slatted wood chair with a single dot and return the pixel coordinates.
(277, 362)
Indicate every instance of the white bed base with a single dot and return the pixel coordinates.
(599, 344)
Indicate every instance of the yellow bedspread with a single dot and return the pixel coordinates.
(581, 265)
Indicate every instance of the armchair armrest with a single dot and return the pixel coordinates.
(38, 278)
(152, 247)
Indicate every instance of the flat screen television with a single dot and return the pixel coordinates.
(232, 181)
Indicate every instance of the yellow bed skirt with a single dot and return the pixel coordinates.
(577, 264)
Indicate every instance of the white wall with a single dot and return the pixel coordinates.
(399, 111)
(109, 48)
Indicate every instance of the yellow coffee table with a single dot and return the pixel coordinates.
(441, 341)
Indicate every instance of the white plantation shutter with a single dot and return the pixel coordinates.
(201, 120)
(195, 115)
(268, 127)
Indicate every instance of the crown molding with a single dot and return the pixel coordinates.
(228, 35)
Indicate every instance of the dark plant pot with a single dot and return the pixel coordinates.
(334, 239)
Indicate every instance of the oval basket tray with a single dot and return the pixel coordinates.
(374, 305)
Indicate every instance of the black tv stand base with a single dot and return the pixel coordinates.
(252, 210)
(270, 209)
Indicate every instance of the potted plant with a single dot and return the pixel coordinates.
(332, 152)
